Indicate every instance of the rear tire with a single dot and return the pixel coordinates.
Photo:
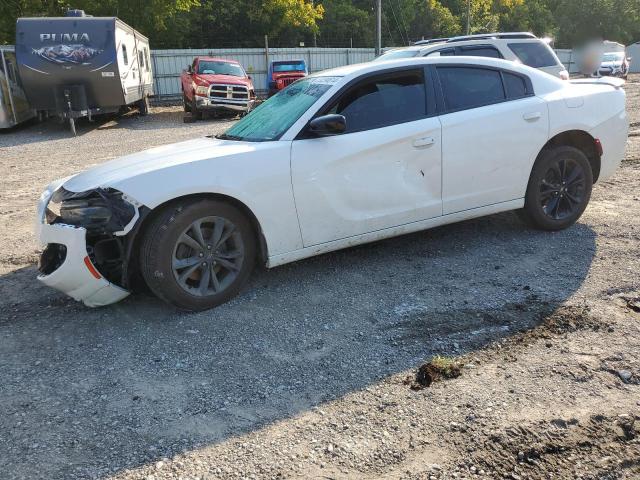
(559, 189)
(197, 254)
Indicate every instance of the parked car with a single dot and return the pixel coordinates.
(342, 157)
(80, 66)
(614, 64)
(216, 85)
(283, 73)
(518, 47)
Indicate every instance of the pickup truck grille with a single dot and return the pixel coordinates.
(231, 92)
(288, 81)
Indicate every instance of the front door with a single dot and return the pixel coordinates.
(384, 171)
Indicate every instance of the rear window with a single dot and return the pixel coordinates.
(481, 51)
(534, 54)
(515, 85)
(288, 67)
(465, 87)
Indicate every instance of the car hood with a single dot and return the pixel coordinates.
(616, 64)
(226, 79)
(110, 174)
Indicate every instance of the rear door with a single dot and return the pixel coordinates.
(493, 127)
(384, 171)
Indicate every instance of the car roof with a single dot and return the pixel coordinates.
(358, 68)
(217, 59)
(539, 77)
(462, 41)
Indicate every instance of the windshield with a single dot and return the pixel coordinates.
(220, 68)
(398, 54)
(613, 57)
(288, 67)
(274, 117)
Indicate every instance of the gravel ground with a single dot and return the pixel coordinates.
(306, 374)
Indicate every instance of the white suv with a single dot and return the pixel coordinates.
(519, 47)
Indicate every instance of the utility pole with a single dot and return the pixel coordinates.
(378, 27)
(468, 17)
(315, 39)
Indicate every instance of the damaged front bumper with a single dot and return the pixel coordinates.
(65, 263)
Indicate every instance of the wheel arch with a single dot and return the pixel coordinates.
(581, 140)
(147, 217)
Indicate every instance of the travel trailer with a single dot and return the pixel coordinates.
(80, 66)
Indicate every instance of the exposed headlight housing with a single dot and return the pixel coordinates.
(102, 210)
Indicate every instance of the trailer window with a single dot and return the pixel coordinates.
(11, 70)
(124, 55)
(141, 59)
(146, 54)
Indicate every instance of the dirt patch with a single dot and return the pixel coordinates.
(633, 304)
(598, 447)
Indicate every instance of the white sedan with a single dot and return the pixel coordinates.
(343, 157)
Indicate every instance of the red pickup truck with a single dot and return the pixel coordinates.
(216, 84)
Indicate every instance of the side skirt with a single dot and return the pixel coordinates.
(314, 250)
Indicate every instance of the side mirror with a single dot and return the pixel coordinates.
(249, 77)
(189, 70)
(328, 125)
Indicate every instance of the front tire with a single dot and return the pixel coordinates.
(197, 114)
(185, 103)
(559, 189)
(198, 254)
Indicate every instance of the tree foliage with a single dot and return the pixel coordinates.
(244, 23)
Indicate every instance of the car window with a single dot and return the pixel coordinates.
(210, 67)
(515, 85)
(398, 54)
(479, 51)
(383, 100)
(467, 87)
(534, 54)
(445, 52)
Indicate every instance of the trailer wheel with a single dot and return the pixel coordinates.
(143, 106)
(72, 126)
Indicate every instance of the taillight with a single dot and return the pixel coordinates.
(598, 145)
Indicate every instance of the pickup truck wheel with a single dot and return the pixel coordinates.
(559, 189)
(198, 254)
(197, 114)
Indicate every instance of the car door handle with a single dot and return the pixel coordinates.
(532, 116)
(423, 142)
